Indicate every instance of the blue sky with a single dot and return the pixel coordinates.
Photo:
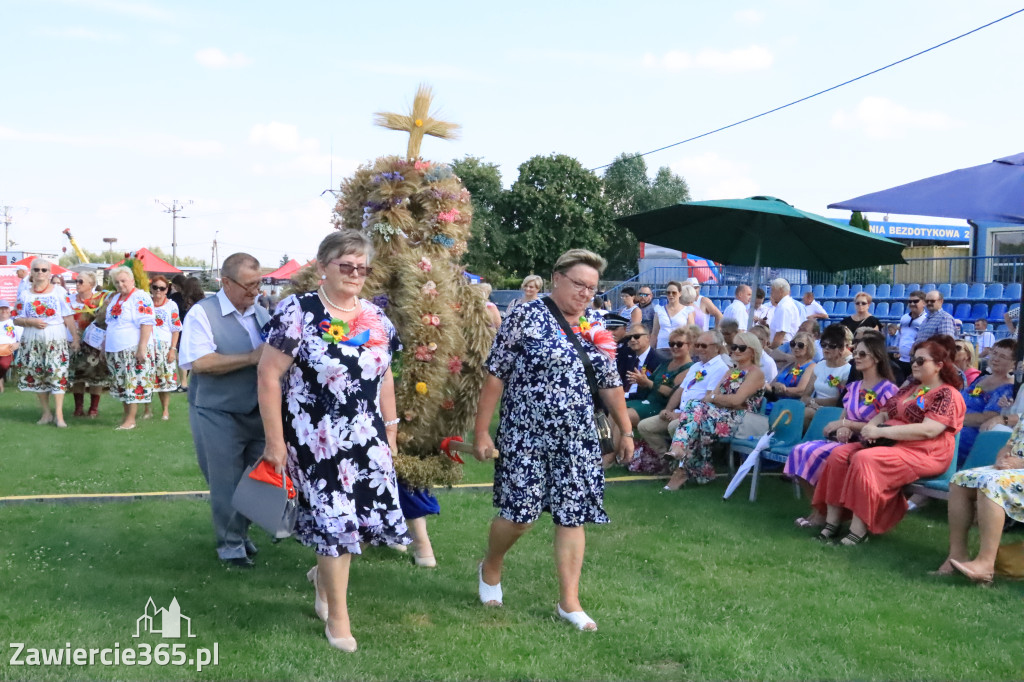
(110, 104)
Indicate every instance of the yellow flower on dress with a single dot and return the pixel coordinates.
(584, 324)
(421, 387)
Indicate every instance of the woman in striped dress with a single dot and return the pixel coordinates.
(862, 401)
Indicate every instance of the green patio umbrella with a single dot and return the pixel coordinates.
(762, 231)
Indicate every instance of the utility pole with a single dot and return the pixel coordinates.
(7, 225)
(175, 208)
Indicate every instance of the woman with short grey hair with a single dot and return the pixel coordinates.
(130, 321)
(550, 356)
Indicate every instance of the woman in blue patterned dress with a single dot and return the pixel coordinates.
(986, 495)
(982, 395)
(550, 455)
(863, 400)
(704, 422)
(336, 426)
(44, 310)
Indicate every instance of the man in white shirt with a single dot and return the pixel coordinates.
(704, 375)
(737, 310)
(221, 343)
(762, 310)
(813, 309)
(910, 324)
(24, 281)
(787, 317)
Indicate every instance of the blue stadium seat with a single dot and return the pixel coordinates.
(1012, 292)
(1002, 332)
(843, 291)
(995, 315)
(855, 289)
(882, 292)
(898, 292)
(840, 309)
(928, 287)
(962, 311)
(946, 289)
(913, 286)
(731, 292)
(977, 291)
(882, 310)
(959, 291)
(994, 292)
(818, 291)
(829, 306)
(830, 291)
(979, 311)
(663, 301)
(869, 289)
(897, 310)
(948, 307)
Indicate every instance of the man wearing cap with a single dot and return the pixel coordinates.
(10, 336)
(703, 307)
(737, 310)
(625, 358)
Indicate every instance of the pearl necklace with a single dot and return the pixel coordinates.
(335, 305)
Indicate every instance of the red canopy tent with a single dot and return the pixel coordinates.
(284, 272)
(27, 262)
(151, 263)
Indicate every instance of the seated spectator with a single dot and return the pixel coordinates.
(967, 360)
(985, 338)
(625, 358)
(911, 439)
(813, 309)
(830, 375)
(704, 422)
(864, 399)
(1002, 495)
(729, 328)
(982, 395)
(892, 339)
(793, 380)
(783, 355)
(658, 385)
(899, 376)
(710, 365)
(861, 317)
(767, 363)
(1009, 414)
(647, 360)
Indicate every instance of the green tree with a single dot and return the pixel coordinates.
(487, 237)
(284, 261)
(183, 261)
(859, 221)
(630, 190)
(69, 258)
(555, 205)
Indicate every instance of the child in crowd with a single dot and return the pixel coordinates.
(9, 337)
(892, 339)
(985, 338)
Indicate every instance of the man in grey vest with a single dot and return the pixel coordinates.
(221, 344)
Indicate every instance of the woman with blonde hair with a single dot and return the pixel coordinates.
(966, 359)
(129, 358)
(532, 286)
(44, 310)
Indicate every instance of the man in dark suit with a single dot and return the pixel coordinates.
(648, 359)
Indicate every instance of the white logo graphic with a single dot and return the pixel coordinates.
(164, 622)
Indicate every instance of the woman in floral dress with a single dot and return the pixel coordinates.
(335, 426)
(982, 395)
(550, 454)
(130, 323)
(704, 422)
(163, 346)
(87, 370)
(863, 400)
(1001, 489)
(44, 310)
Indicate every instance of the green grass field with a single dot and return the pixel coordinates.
(684, 586)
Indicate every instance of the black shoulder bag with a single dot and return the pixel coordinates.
(602, 424)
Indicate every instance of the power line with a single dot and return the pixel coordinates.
(174, 209)
(820, 92)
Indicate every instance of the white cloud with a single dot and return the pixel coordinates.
(881, 118)
(153, 143)
(750, 58)
(712, 177)
(748, 16)
(78, 33)
(433, 72)
(283, 137)
(214, 58)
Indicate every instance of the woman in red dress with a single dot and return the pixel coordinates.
(912, 438)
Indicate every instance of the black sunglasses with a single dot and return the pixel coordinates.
(643, 294)
(40, 269)
(633, 337)
(799, 344)
(830, 346)
(677, 344)
(701, 346)
(79, 281)
(919, 360)
(860, 302)
(738, 348)
(913, 301)
(156, 288)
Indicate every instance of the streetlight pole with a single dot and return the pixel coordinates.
(174, 209)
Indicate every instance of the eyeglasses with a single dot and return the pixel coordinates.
(154, 288)
(860, 302)
(919, 360)
(670, 292)
(633, 337)
(581, 287)
(677, 344)
(251, 289)
(913, 301)
(830, 346)
(799, 344)
(40, 269)
(347, 269)
(79, 281)
(738, 348)
(861, 354)
(931, 300)
(644, 294)
(701, 346)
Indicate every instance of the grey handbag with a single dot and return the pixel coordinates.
(265, 504)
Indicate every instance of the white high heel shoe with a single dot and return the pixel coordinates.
(346, 644)
(319, 605)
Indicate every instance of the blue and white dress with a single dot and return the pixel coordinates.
(550, 454)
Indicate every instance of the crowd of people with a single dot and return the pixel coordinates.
(682, 376)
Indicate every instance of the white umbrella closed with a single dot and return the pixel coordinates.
(762, 443)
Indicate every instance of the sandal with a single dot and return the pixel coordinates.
(829, 532)
(804, 522)
(851, 539)
(579, 619)
(490, 595)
